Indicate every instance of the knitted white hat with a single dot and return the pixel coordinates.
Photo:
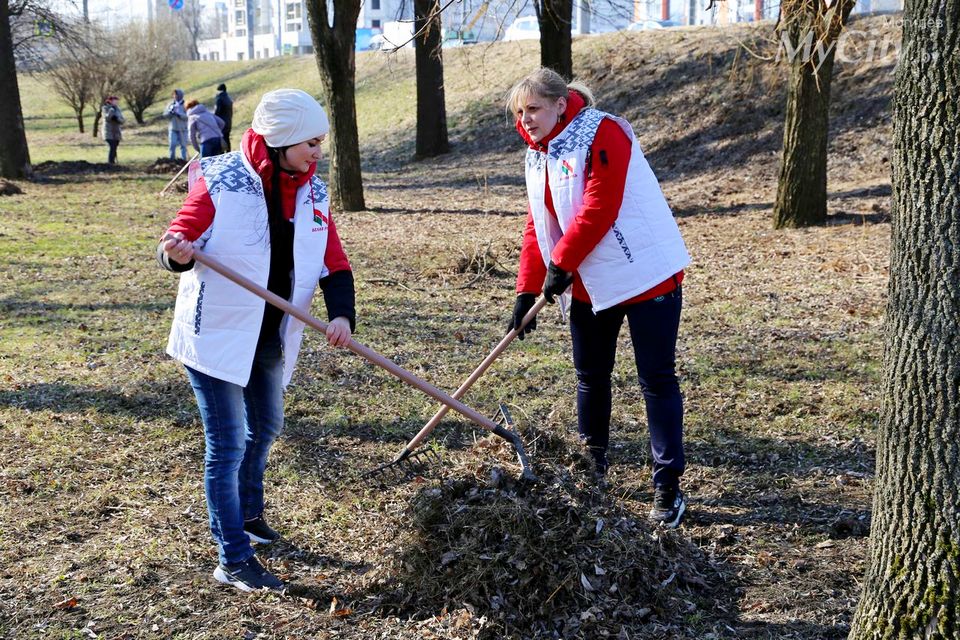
(287, 117)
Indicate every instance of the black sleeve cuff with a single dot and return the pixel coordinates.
(171, 265)
(339, 296)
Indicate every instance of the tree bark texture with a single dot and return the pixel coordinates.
(802, 186)
(912, 584)
(14, 153)
(334, 50)
(432, 139)
(556, 42)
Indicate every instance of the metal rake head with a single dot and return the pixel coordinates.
(406, 465)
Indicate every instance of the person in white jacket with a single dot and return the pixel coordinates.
(262, 212)
(599, 225)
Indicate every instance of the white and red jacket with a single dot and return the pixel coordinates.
(216, 323)
(597, 210)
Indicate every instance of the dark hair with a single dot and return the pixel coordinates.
(221, 87)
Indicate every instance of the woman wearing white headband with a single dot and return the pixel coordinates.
(262, 212)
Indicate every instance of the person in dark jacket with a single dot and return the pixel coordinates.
(223, 109)
(205, 130)
(112, 119)
(262, 212)
(600, 226)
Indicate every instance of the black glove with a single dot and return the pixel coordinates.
(524, 303)
(557, 282)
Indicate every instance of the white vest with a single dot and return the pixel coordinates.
(641, 250)
(216, 323)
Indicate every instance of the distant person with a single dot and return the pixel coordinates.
(112, 119)
(262, 212)
(206, 130)
(223, 109)
(598, 223)
(176, 114)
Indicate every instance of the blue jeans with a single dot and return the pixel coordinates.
(112, 151)
(210, 147)
(653, 332)
(240, 424)
(178, 138)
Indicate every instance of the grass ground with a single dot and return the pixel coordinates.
(102, 517)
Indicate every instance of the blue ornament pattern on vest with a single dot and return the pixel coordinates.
(622, 242)
(535, 160)
(317, 193)
(226, 172)
(198, 313)
(579, 133)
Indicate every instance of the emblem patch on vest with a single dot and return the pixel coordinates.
(320, 220)
(566, 169)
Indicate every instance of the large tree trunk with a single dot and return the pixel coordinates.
(79, 115)
(432, 137)
(912, 585)
(802, 187)
(14, 154)
(556, 42)
(336, 60)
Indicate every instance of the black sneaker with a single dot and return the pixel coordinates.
(259, 531)
(247, 576)
(669, 506)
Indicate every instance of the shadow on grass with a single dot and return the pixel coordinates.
(167, 401)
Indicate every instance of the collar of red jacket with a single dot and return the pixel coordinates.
(575, 102)
(255, 150)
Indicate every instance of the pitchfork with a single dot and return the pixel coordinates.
(501, 430)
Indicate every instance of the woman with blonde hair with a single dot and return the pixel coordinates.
(599, 223)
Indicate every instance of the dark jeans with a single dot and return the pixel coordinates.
(226, 140)
(210, 148)
(653, 332)
(112, 153)
(240, 424)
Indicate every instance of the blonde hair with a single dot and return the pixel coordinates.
(545, 83)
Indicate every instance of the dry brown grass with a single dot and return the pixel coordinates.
(102, 518)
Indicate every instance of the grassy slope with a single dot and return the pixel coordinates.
(100, 498)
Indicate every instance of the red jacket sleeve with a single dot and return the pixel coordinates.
(532, 272)
(335, 257)
(196, 214)
(602, 196)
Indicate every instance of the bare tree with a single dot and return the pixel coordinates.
(150, 45)
(30, 31)
(432, 136)
(333, 45)
(14, 154)
(556, 40)
(190, 17)
(809, 30)
(72, 78)
(912, 585)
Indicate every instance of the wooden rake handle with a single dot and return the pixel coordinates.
(182, 169)
(473, 377)
(353, 345)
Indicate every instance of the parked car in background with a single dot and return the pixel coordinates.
(647, 25)
(523, 28)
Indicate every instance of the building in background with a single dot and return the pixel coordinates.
(281, 28)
